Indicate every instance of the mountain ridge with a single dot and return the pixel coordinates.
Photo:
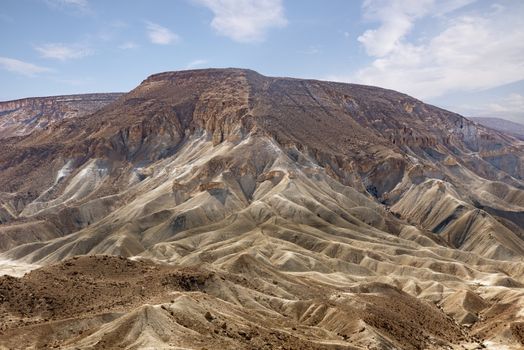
(22, 116)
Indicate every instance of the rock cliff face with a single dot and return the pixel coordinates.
(318, 211)
(22, 117)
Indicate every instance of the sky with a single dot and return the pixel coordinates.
(462, 55)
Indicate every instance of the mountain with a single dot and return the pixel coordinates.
(499, 124)
(22, 117)
(220, 208)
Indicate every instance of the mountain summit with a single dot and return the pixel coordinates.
(261, 212)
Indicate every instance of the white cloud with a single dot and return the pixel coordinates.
(498, 7)
(109, 31)
(63, 52)
(311, 50)
(514, 103)
(160, 35)
(21, 67)
(472, 52)
(78, 5)
(118, 23)
(396, 18)
(195, 63)
(510, 107)
(245, 20)
(128, 45)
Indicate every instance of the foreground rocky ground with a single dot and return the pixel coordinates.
(111, 302)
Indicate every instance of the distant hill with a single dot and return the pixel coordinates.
(503, 125)
(24, 116)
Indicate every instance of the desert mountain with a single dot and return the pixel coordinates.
(22, 117)
(507, 126)
(260, 212)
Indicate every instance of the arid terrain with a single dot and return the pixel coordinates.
(507, 126)
(223, 209)
(22, 117)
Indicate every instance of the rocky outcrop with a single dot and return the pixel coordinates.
(22, 117)
(210, 186)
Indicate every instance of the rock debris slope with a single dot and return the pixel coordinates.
(258, 213)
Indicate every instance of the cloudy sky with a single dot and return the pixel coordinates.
(464, 55)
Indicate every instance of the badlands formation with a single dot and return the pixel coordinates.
(222, 209)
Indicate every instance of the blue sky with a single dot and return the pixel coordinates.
(464, 55)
